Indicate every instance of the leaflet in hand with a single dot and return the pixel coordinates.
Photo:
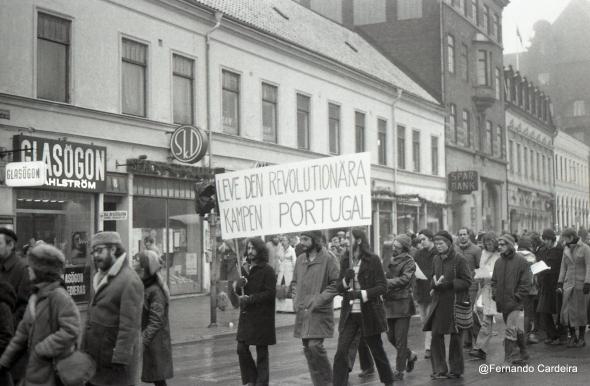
(419, 274)
(539, 267)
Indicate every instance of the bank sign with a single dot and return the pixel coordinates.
(463, 182)
(69, 165)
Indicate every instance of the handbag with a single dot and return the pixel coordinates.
(75, 368)
(462, 310)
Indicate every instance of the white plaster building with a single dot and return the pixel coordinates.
(571, 182)
(274, 81)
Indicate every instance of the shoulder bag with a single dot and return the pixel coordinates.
(75, 368)
(462, 310)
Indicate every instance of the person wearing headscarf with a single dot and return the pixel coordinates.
(155, 324)
(51, 324)
(489, 256)
(256, 289)
(574, 283)
(450, 284)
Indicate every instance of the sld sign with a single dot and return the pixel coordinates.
(70, 166)
(188, 144)
(463, 182)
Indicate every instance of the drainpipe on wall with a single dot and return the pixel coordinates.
(212, 219)
(396, 99)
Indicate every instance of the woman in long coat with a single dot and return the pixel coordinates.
(574, 281)
(256, 290)
(155, 325)
(450, 284)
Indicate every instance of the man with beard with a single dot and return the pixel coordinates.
(362, 284)
(113, 324)
(313, 288)
(14, 272)
(399, 304)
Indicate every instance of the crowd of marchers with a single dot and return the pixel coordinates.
(460, 285)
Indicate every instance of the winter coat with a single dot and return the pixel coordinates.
(531, 259)
(453, 266)
(257, 317)
(155, 334)
(472, 254)
(45, 339)
(314, 286)
(547, 279)
(400, 276)
(511, 282)
(424, 258)
(574, 272)
(7, 303)
(488, 260)
(372, 280)
(113, 325)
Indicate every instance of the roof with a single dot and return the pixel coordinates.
(289, 21)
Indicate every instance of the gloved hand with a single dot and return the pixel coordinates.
(586, 288)
(241, 282)
(559, 288)
(349, 275)
(389, 275)
(445, 285)
(244, 300)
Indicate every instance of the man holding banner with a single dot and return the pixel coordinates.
(313, 287)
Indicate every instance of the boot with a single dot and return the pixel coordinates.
(511, 352)
(521, 341)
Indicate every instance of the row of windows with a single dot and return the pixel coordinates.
(528, 163)
(520, 92)
(462, 132)
(481, 15)
(571, 171)
(483, 66)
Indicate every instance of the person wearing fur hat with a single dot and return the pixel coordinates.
(155, 325)
(51, 324)
(574, 284)
(511, 282)
(314, 285)
(450, 284)
(399, 303)
(113, 324)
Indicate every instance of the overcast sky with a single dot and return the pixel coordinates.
(523, 14)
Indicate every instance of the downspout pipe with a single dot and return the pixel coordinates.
(396, 98)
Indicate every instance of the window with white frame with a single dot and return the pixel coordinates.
(182, 89)
(416, 150)
(382, 141)
(134, 66)
(451, 53)
(334, 127)
(230, 101)
(359, 126)
(401, 147)
(269, 112)
(53, 58)
(303, 111)
(434, 151)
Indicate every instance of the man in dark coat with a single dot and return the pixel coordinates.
(257, 290)
(450, 283)
(424, 260)
(472, 254)
(399, 303)
(362, 283)
(113, 324)
(511, 282)
(14, 272)
(551, 253)
(7, 328)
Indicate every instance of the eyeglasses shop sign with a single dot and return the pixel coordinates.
(69, 165)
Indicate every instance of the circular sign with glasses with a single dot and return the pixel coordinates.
(188, 144)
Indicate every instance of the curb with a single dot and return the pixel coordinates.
(205, 338)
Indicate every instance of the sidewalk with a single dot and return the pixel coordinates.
(190, 319)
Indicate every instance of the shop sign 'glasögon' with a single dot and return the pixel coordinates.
(70, 166)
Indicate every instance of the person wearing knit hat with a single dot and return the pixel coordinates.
(314, 285)
(50, 327)
(155, 325)
(511, 282)
(450, 283)
(399, 303)
(552, 254)
(116, 350)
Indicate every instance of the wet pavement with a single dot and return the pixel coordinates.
(215, 362)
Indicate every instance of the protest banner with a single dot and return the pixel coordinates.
(332, 192)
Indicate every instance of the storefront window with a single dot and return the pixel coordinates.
(175, 229)
(64, 220)
(407, 218)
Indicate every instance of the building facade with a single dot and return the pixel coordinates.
(96, 90)
(453, 48)
(530, 134)
(558, 59)
(572, 191)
